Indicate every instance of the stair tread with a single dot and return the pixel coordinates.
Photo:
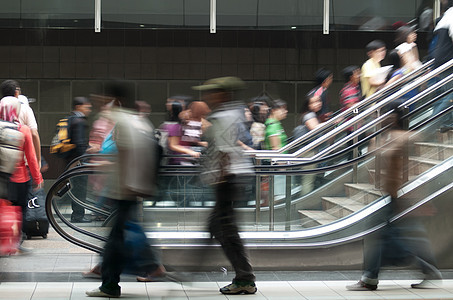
(345, 202)
(434, 144)
(366, 187)
(383, 172)
(320, 216)
(424, 160)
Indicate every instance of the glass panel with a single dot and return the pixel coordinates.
(373, 15)
(52, 13)
(269, 14)
(290, 13)
(142, 13)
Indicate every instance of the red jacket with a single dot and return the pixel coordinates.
(20, 175)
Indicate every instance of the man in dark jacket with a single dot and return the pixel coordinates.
(443, 53)
(78, 132)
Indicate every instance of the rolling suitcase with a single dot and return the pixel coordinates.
(36, 222)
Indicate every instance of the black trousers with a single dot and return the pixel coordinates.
(116, 254)
(222, 226)
(18, 195)
(79, 189)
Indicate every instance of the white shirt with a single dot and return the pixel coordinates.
(26, 115)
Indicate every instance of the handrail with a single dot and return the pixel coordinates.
(306, 161)
(350, 110)
(366, 113)
(50, 203)
(277, 235)
(285, 236)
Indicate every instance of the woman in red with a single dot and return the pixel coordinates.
(20, 180)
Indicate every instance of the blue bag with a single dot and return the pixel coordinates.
(109, 145)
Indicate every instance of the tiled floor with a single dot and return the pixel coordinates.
(388, 289)
(53, 271)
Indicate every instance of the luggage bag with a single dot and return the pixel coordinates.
(36, 222)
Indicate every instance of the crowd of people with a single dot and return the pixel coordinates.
(218, 127)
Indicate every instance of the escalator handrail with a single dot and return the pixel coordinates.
(270, 168)
(316, 231)
(368, 112)
(348, 111)
(50, 204)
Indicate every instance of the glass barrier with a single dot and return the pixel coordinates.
(259, 14)
(281, 198)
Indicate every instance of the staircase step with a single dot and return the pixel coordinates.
(435, 151)
(312, 218)
(362, 192)
(383, 173)
(341, 206)
(418, 165)
(446, 137)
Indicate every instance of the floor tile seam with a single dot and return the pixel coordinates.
(72, 290)
(289, 283)
(339, 295)
(34, 290)
(414, 291)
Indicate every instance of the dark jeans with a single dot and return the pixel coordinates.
(116, 254)
(79, 189)
(445, 102)
(18, 195)
(222, 226)
(399, 244)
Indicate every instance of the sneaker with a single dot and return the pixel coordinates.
(361, 286)
(239, 287)
(425, 284)
(98, 293)
(21, 250)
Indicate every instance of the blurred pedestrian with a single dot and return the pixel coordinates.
(19, 182)
(226, 168)
(133, 175)
(78, 132)
(260, 111)
(397, 243)
(275, 136)
(324, 79)
(371, 78)
(443, 52)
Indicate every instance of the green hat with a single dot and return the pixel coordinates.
(228, 83)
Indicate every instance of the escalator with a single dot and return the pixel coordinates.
(344, 185)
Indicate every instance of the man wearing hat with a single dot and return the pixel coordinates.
(225, 168)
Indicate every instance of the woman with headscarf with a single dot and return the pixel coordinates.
(19, 181)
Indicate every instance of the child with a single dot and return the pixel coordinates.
(370, 79)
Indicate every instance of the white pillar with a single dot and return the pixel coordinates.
(212, 15)
(97, 15)
(326, 17)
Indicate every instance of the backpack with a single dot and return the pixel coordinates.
(11, 139)
(300, 131)
(61, 142)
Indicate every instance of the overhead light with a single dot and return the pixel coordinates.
(293, 27)
(141, 25)
(76, 21)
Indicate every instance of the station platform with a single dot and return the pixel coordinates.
(53, 271)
